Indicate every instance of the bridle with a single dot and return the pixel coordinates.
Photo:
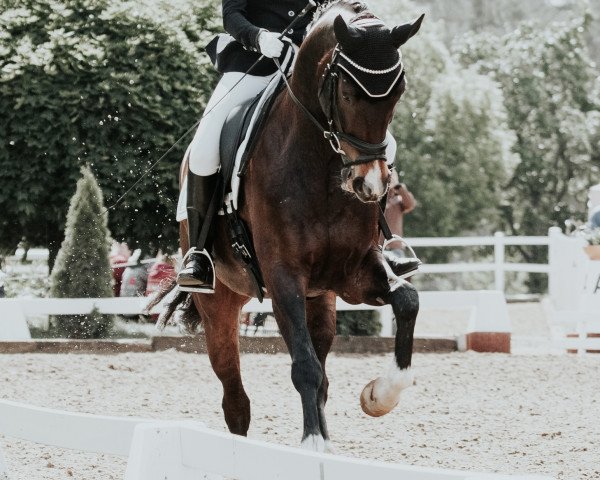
(368, 152)
(328, 95)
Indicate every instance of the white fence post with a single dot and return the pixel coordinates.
(566, 276)
(499, 261)
(13, 324)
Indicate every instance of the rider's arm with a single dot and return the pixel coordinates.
(237, 25)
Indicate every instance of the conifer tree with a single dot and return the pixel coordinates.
(82, 268)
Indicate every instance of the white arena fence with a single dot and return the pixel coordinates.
(187, 450)
(487, 310)
(499, 266)
(568, 271)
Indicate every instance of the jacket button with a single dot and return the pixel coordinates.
(291, 13)
(290, 31)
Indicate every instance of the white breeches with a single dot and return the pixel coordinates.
(392, 146)
(204, 150)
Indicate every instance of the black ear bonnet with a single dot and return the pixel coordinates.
(368, 54)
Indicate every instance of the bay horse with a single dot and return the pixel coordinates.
(313, 219)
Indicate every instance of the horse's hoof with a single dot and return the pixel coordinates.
(370, 404)
(381, 395)
(314, 443)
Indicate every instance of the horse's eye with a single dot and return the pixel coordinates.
(346, 97)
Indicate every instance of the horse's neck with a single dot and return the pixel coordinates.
(315, 50)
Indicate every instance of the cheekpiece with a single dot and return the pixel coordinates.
(374, 63)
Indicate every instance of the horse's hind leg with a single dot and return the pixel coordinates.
(221, 312)
(320, 318)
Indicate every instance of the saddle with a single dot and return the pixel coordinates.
(238, 139)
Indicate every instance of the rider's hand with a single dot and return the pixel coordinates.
(269, 45)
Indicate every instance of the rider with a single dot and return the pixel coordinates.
(253, 29)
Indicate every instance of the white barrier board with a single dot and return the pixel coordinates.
(186, 450)
(189, 452)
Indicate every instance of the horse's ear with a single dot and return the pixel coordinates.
(402, 33)
(346, 36)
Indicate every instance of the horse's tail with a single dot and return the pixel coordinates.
(178, 301)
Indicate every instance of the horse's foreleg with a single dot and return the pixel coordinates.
(221, 313)
(378, 285)
(289, 306)
(320, 318)
(381, 395)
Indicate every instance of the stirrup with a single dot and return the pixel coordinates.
(398, 238)
(204, 252)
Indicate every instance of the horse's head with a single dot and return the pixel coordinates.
(362, 79)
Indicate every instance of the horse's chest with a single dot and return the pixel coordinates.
(350, 233)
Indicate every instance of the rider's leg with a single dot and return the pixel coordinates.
(402, 267)
(204, 163)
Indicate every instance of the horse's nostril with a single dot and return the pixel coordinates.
(357, 184)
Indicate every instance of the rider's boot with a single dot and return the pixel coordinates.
(198, 272)
(402, 267)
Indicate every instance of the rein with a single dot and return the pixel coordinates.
(369, 152)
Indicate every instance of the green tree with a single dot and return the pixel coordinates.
(454, 144)
(82, 268)
(101, 80)
(462, 158)
(551, 90)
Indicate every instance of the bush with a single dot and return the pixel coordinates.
(363, 323)
(82, 268)
(102, 79)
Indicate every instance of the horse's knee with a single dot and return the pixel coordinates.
(307, 372)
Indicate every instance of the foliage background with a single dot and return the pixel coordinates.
(104, 83)
(499, 128)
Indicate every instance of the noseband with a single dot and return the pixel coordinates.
(328, 92)
(368, 152)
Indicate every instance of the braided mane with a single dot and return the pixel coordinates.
(357, 7)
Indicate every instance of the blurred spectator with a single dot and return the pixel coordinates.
(594, 219)
(161, 270)
(135, 276)
(119, 255)
(399, 202)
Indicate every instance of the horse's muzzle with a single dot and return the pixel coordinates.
(369, 183)
(366, 191)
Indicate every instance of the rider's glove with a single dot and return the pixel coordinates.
(269, 45)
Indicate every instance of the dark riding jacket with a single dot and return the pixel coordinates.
(243, 20)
